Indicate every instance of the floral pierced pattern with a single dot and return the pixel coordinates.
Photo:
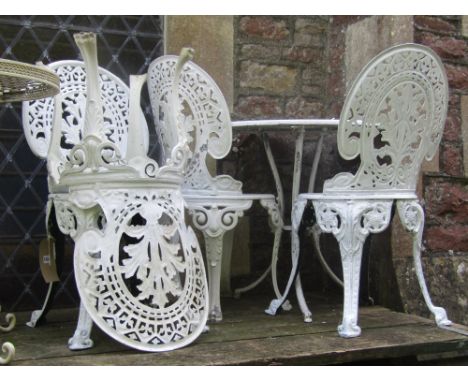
(142, 278)
(203, 116)
(38, 115)
(393, 118)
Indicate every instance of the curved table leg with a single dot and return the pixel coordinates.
(316, 232)
(301, 300)
(271, 269)
(239, 291)
(298, 210)
(276, 225)
(296, 218)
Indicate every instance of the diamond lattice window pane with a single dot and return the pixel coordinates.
(127, 44)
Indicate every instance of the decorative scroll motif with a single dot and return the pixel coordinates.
(38, 115)
(393, 117)
(92, 155)
(11, 322)
(351, 221)
(275, 219)
(9, 350)
(67, 216)
(412, 217)
(142, 278)
(216, 218)
(203, 116)
(7, 347)
(71, 217)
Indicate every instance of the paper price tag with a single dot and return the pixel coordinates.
(47, 260)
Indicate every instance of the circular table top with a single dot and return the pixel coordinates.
(284, 124)
(22, 82)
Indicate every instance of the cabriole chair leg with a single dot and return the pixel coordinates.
(412, 217)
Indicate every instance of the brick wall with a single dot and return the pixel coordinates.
(279, 64)
(280, 71)
(446, 192)
(295, 66)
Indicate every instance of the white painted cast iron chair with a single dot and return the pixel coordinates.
(216, 203)
(393, 118)
(37, 125)
(138, 267)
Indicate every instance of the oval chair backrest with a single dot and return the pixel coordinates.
(202, 114)
(393, 117)
(38, 115)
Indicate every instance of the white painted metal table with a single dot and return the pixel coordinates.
(20, 82)
(299, 127)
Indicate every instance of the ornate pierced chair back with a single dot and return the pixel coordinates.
(38, 115)
(392, 118)
(203, 116)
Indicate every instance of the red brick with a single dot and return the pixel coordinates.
(451, 160)
(445, 47)
(454, 101)
(434, 23)
(310, 31)
(452, 130)
(264, 27)
(256, 106)
(457, 76)
(261, 51)
(340, 21)
(447, 238)
(312, 90)
(301, 108)
(276, 79)
(446, 202)
(306, 55)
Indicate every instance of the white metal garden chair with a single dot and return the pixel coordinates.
(37, 126)
(215, 202)
(393, 118)
(138, 267)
